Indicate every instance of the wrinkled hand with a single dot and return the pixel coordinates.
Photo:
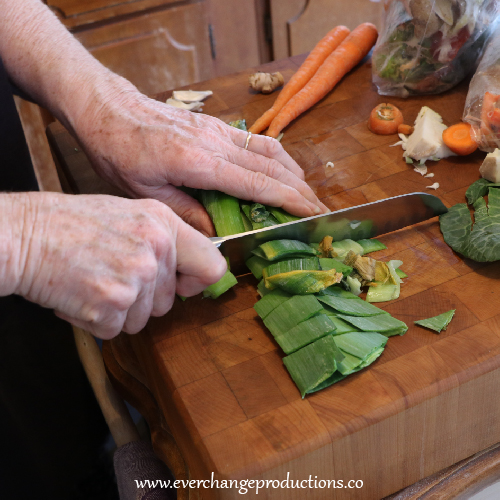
(106, 263)
(148, 148)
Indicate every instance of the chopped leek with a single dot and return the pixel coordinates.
(341, 326)
(256, 265)
(351, 307)
(371, 245)
(270, 302)
(224, 210)
(285, 266)
(327, 263)
(246, 222)
(281, 216)
(437, 323)
(292, 312)
(278, 249)
(223, 285)
(258, 221)
(380, 292)
(303, 282)
(342, 248)
(241, 124)
(382, 323)
(313, 364)
(305, 333)
(336, 291)
(360, 344)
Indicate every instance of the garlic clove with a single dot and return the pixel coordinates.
(191, 95)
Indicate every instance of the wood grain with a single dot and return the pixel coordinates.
(428, 402)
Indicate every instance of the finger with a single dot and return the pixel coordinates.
(140, 311)
(257, 186)
(199, 262)
(271, 168)
(185, 206)
(101, 331)
(268, 147)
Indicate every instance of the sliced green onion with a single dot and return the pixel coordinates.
(437, 323)
(223, 285)
(224, 210)
(313, 364)
(305, 333)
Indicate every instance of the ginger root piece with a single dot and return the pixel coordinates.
(266, 82)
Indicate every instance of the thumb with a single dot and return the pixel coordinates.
(185, 206)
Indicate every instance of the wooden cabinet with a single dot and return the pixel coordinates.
(164, 44)
(299, 24)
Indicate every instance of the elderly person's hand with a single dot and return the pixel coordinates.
(101, 262)
(148, 149)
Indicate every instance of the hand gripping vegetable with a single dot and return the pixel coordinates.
(306, 71)
(347, 55)
(385, 119)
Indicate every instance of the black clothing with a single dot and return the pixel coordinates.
(51, 429)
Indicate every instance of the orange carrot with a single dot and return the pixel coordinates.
(405, 129)
(306, 71)
(347, 55)
(459, 139)
(385, 119)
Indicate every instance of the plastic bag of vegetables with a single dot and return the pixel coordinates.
(428, 46)
(482, 106)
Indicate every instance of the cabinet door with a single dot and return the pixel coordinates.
(155, 51)
(299, 24)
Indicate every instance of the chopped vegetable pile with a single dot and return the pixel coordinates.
(326, 331)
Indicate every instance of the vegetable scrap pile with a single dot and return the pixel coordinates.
(479, 241)
(326, 331)
(429, 46)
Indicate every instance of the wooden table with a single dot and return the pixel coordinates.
(216, 374)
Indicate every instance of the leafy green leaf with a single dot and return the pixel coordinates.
(478, 190)
(482, 243)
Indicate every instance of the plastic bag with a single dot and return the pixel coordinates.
(482, 106)
(428, 46)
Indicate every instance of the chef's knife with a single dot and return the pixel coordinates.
(362, 221)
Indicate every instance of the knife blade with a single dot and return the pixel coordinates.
(359, 222)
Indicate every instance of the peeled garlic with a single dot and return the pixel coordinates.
(191, 95)
(434, 186)
(193, 106)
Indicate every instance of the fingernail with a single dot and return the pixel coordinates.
(317, 210)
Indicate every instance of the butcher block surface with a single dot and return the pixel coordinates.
(429, 401)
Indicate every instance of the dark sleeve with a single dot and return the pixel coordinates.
(16, 169)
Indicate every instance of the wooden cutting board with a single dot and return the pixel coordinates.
(429, 401)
